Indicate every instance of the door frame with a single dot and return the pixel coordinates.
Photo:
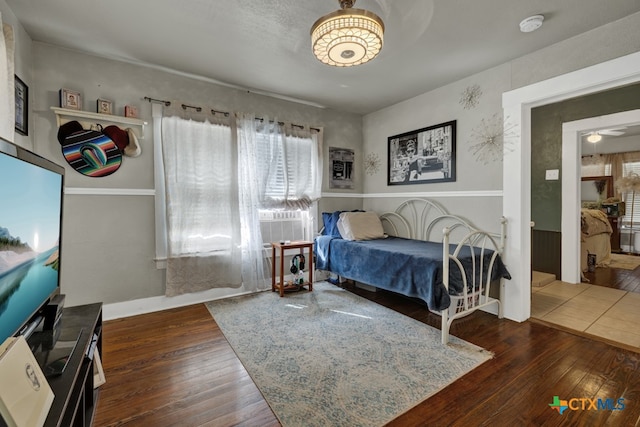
(571, 163)
(517, 105)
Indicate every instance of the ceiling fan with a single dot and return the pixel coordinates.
(596, 135)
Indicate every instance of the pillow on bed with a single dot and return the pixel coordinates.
(360, 226)
(330, 223)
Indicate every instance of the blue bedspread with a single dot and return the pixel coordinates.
(409, 267)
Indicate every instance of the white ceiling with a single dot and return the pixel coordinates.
(264, 46)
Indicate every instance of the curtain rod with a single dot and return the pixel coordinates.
(214, 112)
(157, 101)
(185, 106)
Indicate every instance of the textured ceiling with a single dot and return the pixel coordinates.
(264, 46)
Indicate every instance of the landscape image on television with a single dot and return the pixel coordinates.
(30, 212)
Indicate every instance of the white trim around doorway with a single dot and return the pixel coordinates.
(517, 105)
(571, 154)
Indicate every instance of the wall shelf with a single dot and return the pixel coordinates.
(87, 118)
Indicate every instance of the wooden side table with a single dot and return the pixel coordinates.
(300, 244)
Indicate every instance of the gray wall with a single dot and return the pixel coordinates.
(546, 143)
(473, 193)
(23, 65)
(109, 239)
(476, 193)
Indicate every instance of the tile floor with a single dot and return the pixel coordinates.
(603, 312)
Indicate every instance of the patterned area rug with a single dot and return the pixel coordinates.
(625, 262)
(330, 357)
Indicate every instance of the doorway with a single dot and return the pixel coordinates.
(571, 203)
(517, 105)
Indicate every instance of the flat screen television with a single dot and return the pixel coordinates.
(31, 201)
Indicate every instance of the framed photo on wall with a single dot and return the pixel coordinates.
(423, 156)
(341, 165)
(22, 107)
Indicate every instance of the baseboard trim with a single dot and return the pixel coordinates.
(119, 310)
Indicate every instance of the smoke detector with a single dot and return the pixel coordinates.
(531, 23)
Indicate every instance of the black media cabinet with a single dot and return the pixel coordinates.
(75, 399)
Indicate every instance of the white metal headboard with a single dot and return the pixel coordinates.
(424, 219)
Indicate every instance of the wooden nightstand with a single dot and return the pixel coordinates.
(300, 244)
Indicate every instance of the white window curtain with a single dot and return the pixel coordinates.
(277, 169)
(287, 160)
(255, 271)
(7, 82)
(203, 232)
(217, 177)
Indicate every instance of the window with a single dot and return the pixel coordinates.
(631, 198)
(618, 165)
(287, 167)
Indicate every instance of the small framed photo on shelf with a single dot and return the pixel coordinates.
(104, 106)
(22, 107)
(131, 111)
(70, 99)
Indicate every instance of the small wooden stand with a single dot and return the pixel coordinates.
(301, 244)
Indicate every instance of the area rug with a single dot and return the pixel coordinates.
(333, 358)
(625, 262)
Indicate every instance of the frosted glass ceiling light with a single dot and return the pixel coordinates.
(594, 137)
(348, 36)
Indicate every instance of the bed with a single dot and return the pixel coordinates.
(419, 250)
(595, 238)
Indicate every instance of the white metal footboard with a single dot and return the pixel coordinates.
(424, 219)
(476, 294)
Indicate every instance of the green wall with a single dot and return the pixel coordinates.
(546, 145)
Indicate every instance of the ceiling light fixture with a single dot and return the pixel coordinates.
(594, 137)
(348, 36)
(531, 23)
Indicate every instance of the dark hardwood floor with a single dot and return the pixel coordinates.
(617, 278)
(175, 368)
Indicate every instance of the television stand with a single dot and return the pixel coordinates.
(75, 397)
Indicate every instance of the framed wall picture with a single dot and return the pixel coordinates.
(104, 106)
(70, 99)
(22, 107)
(423, 156)
(341, 165)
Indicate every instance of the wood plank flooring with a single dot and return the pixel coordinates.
(175, 368)
(617, 278)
